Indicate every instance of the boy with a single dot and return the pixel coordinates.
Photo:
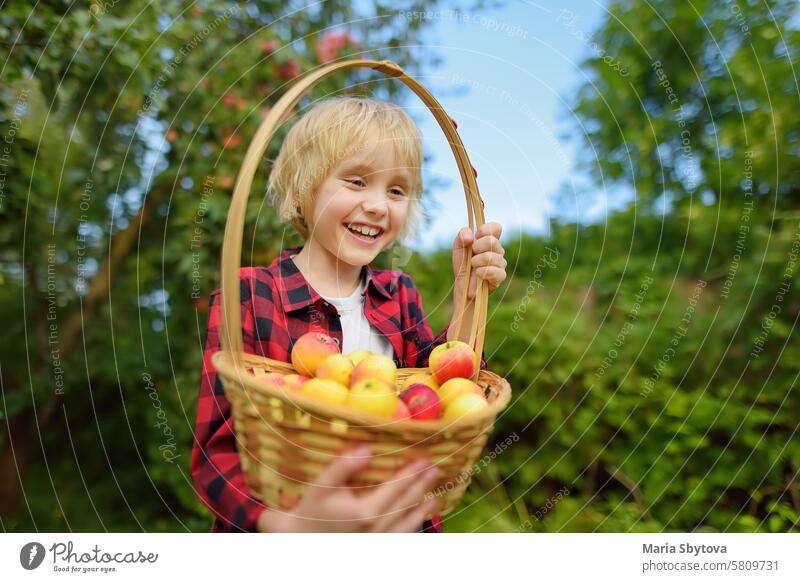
(348, 179)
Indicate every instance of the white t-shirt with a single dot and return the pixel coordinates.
(357, 332)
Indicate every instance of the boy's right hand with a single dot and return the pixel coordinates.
(330, 505)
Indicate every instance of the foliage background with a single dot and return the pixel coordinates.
(125, 124)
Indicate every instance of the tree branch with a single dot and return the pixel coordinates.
(121, 247)
(14, 455)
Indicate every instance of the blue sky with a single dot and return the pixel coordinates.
(508, 77)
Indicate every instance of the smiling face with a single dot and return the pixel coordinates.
(361, 206)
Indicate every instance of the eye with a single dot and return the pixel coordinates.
(398, 191)
(355, 181)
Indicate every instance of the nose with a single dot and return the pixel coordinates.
(374, 204)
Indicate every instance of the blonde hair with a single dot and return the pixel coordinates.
(334, 129)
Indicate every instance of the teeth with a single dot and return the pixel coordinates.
(367, 230)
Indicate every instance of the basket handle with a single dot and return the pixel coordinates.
(281, 112)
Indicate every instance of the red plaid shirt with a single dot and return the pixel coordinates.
(278, 306)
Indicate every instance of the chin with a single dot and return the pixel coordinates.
(358, 257)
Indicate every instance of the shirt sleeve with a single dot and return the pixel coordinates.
(215, 467)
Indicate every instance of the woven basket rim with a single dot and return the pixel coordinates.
(224, 363)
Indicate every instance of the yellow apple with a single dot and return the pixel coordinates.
(325, 390)
(421, 378)
(375, 367)
(464, 405)
(373, 396)
(295, 381)
(457, 386)
(358, 355)
(337, 368)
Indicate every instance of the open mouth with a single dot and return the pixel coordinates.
(363, 232)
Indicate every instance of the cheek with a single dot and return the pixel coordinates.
(399, 212)
(330, 208)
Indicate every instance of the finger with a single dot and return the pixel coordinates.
(488, 243)
(461, 249)
(489, 260)
(463, 239)
(382, 497)
(494, 275)
(490, 228)
(336, 475)
(408, 498)
(413, 520)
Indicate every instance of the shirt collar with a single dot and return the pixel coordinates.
(295, 291)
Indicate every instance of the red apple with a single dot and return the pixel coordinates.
(422, 402)
(269, 46)
(288, 70)
(309, 351)
(453, 359)
(232, 140)
(229, 100)
(330, 44)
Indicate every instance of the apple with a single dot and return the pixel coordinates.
(295, 381)
(269, 46)
(232, 140)
(421, 378)
(464, 405)
(457, 386)
(358, 355)
(422, 402)
(401, 412)
(309, 351)
(453, 359)
(337, 367)
(229, 100)
(287, 70)
(373, 396)
(325, 390)
(274, 380)
(375, 367)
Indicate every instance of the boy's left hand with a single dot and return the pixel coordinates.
(488, 263)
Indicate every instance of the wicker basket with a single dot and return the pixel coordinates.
(285, 439)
